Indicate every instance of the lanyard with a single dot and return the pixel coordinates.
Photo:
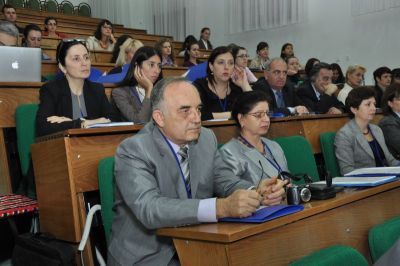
(223, 103)
(375, 148)
(188, 193)
(273, 162)
(135, 93)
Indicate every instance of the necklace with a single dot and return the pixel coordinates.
(366, 133)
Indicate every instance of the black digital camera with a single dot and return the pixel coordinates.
(297, 194)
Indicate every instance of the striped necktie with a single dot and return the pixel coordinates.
(184, 162)
(279, 99)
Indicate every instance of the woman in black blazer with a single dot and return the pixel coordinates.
(73, 101)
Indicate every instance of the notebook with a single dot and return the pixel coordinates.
(266, 214)
(361, 181)
(375, 171)
(20, 64)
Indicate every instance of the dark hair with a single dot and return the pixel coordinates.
(391, 92)
(357, 95)
(341, 78)
(142, 54)
(204, 29)
(309, 66)
(186, 56)
(46, 20)
(29, 28)
(7, 6)
(188, 40)
(214, 54)
(290, 57)
(121, 39)
(236, 50)
(261, 45)
(317, 68)
(380, 71)
(395, 73)
(64, 46)
(159, 46)
(246, 102)
(97, 33)
(283, 49)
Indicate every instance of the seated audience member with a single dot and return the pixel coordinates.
(120, 40)
(396, 76)
(309, 65)
(204, 41)
(286, 51)
(293, 76)
(8, 34)
(283, 97)
(313, 92)
(245, 153)
(103, 39)
(155, 187)
(223, 84)
(383, 78)
(73, 101)
(188, 40)
(132, 97)
(50, 28)
(337, 77)
(191, 54)
(241, 58)
(126, 52)
(261, 58)
(354, 79)
(33, 38)
(360, 144)
(164, 47)
(390, 123)
(10, 15)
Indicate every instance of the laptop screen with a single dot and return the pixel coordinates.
(20, 64)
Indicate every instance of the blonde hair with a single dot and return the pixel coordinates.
(353, 68)
(128, 46)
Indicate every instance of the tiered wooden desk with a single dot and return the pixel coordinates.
(344, 220)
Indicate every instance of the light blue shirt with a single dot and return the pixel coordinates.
(317, 93)
(207, 211)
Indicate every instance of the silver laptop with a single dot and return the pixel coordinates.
(20, 64)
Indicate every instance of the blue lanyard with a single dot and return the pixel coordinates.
(376, 150)
(274, 163)
(189, 193)
(223, 103)
(135, 93)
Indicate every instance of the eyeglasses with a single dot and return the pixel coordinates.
(243, 56)
(260, 115)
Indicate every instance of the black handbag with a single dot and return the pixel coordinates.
(42, 250)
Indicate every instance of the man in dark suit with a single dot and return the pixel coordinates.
(169, 174)
(204, 41)
(283, 98)
(383, 78)
(313, 93)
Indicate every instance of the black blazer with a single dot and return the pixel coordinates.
(289, 96)
(321, 106)
(390, 125)
(202, 46)
(55, 99)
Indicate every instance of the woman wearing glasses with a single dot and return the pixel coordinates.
(360, 144)
(241, 58)
(222, 86)
(354, 79)
(250, 155)
(103, 39)
(73, 101)
(132, 98)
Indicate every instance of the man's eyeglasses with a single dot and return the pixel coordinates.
(260, 115)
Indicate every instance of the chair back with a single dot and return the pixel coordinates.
(25, 119)
(334, 255)
(66, 7)
(106, 186)
(16, 3)
(33, 4)
(84, 10)
(299, 156)
(51, 6)
(327, 141)
(382, 236)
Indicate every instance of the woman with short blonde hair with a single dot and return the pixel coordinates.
(127, 51)
(354, 79)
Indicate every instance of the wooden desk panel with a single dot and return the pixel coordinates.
(95, 57)
(51, 67)
(344, 220)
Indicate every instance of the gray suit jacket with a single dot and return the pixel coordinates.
(390, 126)
(353, 151)
(244, 161)
(129, 105)
(150, 194)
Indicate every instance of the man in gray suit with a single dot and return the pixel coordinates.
(155, 188)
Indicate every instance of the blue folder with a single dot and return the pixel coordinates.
(266, 214)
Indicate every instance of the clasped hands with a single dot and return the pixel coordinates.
(243, 203)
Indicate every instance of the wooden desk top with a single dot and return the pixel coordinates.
(229, 232)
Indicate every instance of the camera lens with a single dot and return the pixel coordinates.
(305, 194)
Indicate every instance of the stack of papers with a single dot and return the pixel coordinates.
(112, 124)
